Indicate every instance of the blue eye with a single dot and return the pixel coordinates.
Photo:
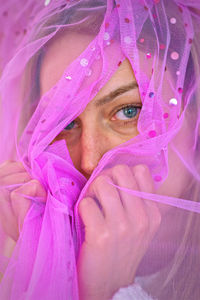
(128, 112)
(70, 126)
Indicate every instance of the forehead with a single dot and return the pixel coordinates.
(63, 49)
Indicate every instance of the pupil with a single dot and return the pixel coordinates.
(130, 112)
(70, 126)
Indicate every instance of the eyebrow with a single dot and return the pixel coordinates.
(112, 95)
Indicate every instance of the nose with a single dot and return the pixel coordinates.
(92, 149)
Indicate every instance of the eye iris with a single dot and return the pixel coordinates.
(130, 112)
(70, 126)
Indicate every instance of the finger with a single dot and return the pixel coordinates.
(20, 198)
(10, 167)
(90, 214)
(146, 184)
(134, 206)
(109, 199)
(7, 216)
(15, 178)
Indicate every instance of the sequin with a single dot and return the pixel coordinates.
(180, 90)
(127, 40)
(157, 178)
(190, 41)
(152, 133)
(165, 115)
(156, 1)
(108, 43)
(93, 48)
(72, 183)
(162, 46)
(84, 62)
(174, 55)
(127, 20)
(178, 73)
(173, 101)
(141, 40)
(47, 2)
(88, 72)
(106, 36)
(68, 77)
(145, 7)
(151, 95)
(173, 20)
(148, 55)
(118, 5)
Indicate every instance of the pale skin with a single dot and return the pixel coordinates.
(116, 237)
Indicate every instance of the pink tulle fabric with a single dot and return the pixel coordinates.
(160, 39)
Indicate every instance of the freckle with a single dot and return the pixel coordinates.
(190, 41)
(5, 13)
(127, 20)
(180, 9)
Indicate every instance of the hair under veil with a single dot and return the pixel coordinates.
(160, 40)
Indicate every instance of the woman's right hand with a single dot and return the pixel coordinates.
(14, 204)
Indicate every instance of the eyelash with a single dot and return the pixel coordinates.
(138, 106)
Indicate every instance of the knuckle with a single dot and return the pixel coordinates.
(142, 226)
(103, 238)
(120, 168)
(120, 171)
(14, 194)
(123, 229)
(140, 170)
(99, 182)
(84, 204)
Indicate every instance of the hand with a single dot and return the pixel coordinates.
(116, 236)
(13, 205)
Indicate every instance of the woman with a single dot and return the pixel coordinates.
(118, 84)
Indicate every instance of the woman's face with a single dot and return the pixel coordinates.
(109, 120)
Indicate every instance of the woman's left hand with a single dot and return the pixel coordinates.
(117, 235)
